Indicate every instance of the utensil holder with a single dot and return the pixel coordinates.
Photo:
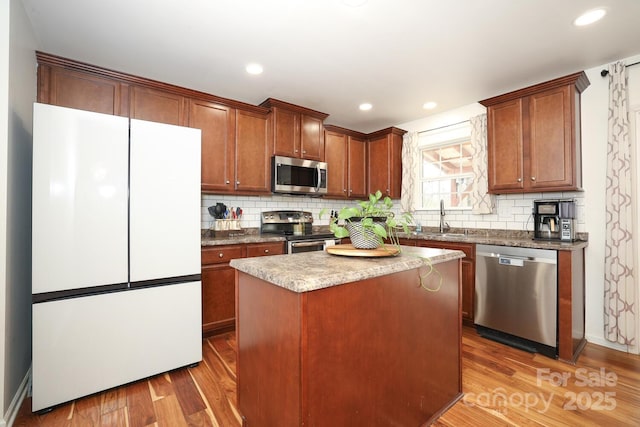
(227, 228)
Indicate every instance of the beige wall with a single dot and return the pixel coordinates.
(18, 92)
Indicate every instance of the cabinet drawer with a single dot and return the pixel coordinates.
(264, 249)
(220, 254)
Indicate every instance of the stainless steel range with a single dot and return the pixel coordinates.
(297, 228)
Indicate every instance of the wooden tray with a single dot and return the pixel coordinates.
(349, 250)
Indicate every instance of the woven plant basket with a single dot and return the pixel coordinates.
(362, 239)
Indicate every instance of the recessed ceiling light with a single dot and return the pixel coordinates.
(366, 106)
(254, 69)
(589, 17)
(429, 105)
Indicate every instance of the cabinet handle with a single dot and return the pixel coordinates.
(221, 255)
(304, 151)
(533, 178)
(228, 182)
(344, 190)
(266, 251)
(237, 182)
(295, 151)
(519, 179)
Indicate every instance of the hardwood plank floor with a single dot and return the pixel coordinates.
(502, 385)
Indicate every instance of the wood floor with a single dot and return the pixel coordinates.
(503, 387)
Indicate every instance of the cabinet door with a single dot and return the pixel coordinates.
(551, 158)
(217, 123)
(82, 91)
(286, 132)
(378, 173)
(311, 138)
(252, 153)
(468, 290)
(157, 106)
(336, 158)
(218, 298)
(468, 273)
(395, 166)
(505, 146)
(357, 168)
(218, 287)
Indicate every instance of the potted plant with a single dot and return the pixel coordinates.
(370, 222)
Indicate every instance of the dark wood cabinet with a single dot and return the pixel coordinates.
(157, 106)
(218, 287)
(335, 154)
(346, 157)
(357, 167)
(534, 137)
(236, 137)
(218, 282)
(217, 123)
(82, 91)
(297, 131)
(253, 155)
(571, 304)
(384, 155)
(393, 347)
(468, 273)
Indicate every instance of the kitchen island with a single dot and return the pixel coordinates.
(326, 340)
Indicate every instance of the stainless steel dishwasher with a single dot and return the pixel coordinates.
(517, 297)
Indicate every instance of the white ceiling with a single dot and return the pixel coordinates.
(322, 54)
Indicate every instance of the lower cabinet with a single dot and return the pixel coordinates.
(468, 273)
(218, 282)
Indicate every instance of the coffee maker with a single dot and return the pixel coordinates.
(554, 219)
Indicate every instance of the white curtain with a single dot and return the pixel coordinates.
(619, 284)
(481, 201)
(409, 160)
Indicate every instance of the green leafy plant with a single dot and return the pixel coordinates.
(375, 217)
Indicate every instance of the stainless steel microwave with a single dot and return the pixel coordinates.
(298, 176)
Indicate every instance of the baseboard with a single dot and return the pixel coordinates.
(603, 342)
(16, 402)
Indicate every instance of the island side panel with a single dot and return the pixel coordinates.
(268, 364)
(383, 351)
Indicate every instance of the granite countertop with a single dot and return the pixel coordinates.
(310, 271)
(522, 239)
(516, 239)
(239, 239)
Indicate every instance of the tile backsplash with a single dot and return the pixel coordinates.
(514, 211)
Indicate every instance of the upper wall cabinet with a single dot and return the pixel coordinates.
(82, 91)
(157, 106)
(217, 124)
(236, 137)
(253, 152)
(345, 154)
(384, 155)
(533, 137)
(297, 131)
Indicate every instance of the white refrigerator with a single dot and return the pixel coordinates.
(116, 252)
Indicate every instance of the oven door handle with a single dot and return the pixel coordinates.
(307, 244)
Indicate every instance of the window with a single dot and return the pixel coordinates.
(445, 168)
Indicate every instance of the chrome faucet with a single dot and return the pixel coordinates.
(443, 225)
